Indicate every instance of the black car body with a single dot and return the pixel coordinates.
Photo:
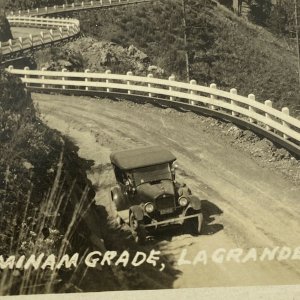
(147, 187)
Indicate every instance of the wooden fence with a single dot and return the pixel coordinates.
(60, 28)
(269, 121)
(80, 5)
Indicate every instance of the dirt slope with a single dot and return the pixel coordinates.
(247, 203)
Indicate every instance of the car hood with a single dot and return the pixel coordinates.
(149, 191)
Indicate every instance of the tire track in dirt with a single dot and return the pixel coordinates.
(260, 208)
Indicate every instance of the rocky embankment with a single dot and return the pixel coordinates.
(97, 56)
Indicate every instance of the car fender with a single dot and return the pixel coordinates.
(138, 212)
(119, 199)
(195, 203)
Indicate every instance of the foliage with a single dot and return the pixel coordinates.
(260, 11)
(278, 16)
(44, 191)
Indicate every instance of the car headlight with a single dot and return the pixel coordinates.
(183, 201)
(149, 207)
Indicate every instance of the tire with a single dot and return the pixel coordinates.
(120, 221)
(138, 229)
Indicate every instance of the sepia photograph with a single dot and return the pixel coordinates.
(150, 148)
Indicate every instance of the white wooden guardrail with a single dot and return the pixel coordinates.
(61, 28)
(246, 109)
(75, 6)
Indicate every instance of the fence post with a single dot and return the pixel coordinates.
(268, 103)
(28, 11)
(21, 42)
(42, 37)
(192, 82)
(43, 77)
(234, 92)
(26, 76)
(60, 32)
(129, 73)
(149, 84)
(37, 10)
(19, 13)
(286, 111)
(82, 3)
(55, 7)
(172, 78)
(92, 3)
(251, 97)
(46, 9)
(63, 77)
(213, 97)
(10, 44)
(107, 80)
(87, 79)
(31, 40)
(51, 35)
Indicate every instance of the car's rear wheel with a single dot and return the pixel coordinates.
(137, 228)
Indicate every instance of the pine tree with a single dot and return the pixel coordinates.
(260, 11)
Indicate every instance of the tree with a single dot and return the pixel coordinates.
(5, 33)
(278, 20)
(260, 11)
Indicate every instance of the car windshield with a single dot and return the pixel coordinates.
(152, 173)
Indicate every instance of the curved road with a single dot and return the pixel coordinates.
(246, 205)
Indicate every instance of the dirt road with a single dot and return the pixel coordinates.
(247, 205)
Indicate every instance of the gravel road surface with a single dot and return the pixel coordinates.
(247, 204)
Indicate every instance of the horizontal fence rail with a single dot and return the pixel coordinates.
(259, 117)
(61, 28)
(263, 115)
(84, 5)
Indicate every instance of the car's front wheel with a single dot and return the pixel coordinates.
(137, 228)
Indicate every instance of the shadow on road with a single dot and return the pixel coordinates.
(210, 210)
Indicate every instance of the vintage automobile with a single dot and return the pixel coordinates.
(146, 186)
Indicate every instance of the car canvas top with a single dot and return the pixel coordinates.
(141, 157)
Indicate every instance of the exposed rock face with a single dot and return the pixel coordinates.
(5, 33)
(102, 55)
(98, 56)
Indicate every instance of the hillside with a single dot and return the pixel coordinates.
(223, 48)
(42, 180)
